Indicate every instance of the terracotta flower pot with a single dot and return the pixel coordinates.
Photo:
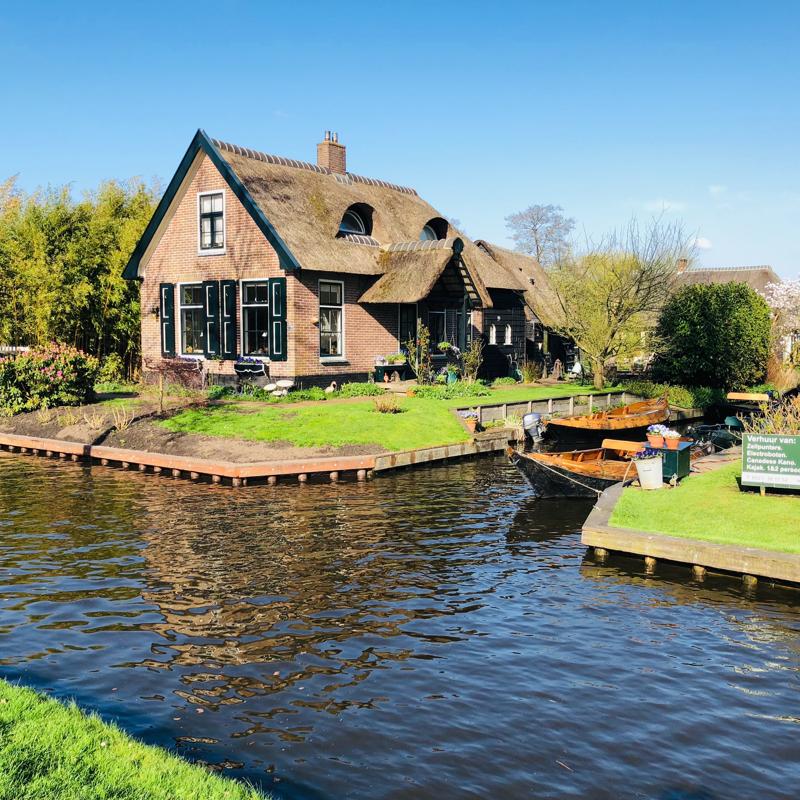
(472, 425)
(655, 440)
(672, 444)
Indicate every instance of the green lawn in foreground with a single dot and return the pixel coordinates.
(711, 507)
(53, 751)
(423, 423)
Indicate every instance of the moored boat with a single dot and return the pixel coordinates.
(581, 473)
(634, 416)
(577, 473)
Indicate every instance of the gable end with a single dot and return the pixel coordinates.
(201, 142)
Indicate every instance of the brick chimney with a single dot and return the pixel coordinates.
(683, 265)
(331, 154)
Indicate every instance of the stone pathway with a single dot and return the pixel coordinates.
(717, 460)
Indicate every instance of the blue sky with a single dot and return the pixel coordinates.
(609, 109)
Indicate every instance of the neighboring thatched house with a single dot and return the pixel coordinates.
(755, 277)
(315, 271)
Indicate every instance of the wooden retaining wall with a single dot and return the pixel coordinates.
(749, 562)
(242, 474)
(578, 404)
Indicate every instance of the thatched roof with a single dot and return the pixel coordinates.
(305, 204)
(540, 296)
(412, 269)
(756, 277)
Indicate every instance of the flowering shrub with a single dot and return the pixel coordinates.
(646, 454)
(58, 375)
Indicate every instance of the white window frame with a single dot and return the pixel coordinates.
(343, 356)
(493, 334)
(242, 282)
(179, 286)
(213, 251)
(508, 337)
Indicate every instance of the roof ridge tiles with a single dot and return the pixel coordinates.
(258, 155)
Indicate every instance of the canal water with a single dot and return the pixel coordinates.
(432, 634)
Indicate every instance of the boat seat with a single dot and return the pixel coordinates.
(752, 397)
(619, 444)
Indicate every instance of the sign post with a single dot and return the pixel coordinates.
(771, 460)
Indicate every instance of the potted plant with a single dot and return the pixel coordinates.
(672, 439)
(452, 373)
(649, 468)
(655, 435)
(397, 358)
(470, 420)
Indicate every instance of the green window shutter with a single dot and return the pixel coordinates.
(167, 318)
(277, 319)
(211, 307)
(228, 319)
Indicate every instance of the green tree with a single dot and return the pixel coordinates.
(61, 264)
(607, 297)
(713, 335)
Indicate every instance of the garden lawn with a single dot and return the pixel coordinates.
(710, 507)
(54, 751)
(422, 423)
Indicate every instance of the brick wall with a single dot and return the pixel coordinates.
(175, 260)
(370, 331)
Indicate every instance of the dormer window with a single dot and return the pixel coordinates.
(428, 234)
(352, 223)
(356, 220)
(434, 229)
(211, 207)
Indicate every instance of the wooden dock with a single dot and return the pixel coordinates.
(748, 562)
(234, 474)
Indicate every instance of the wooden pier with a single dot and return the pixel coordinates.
(750, 563)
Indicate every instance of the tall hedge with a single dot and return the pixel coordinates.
(714, 335)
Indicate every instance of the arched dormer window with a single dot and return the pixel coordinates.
(434, 229)
(357, 219)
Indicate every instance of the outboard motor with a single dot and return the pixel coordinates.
(532, 424)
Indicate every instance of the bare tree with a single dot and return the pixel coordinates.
(610, 294)
(542, 232)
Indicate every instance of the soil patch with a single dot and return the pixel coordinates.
(151, 437)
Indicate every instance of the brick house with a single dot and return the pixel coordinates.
(317, 271)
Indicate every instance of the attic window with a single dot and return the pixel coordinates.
(434, 229)
(211, 208)
(356, 220)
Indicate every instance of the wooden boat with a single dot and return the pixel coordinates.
(626, 418)
(581, 473)
(577, 473)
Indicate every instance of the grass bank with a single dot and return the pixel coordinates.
(423, 422)
(55, 751)
(710, 507)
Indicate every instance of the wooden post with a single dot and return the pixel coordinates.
(480, 415)
(505, 410)
(334, 476)
(649, 565)
(699, 572)
(750, 581)
(176, 473)
(361, 475)
(571, 406)
(762, 491)
(237, 482)
(600, 554)
(194, 475)
(608, 400)
(591, 403)
(530, 406)
(550, 406)
(157, 470)
(142, 467)
(302, 478)
(216, 479)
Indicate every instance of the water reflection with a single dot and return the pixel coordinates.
(435, 633)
